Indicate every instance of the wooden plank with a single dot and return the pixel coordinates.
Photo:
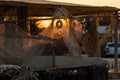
(76, 61)
(46, 62)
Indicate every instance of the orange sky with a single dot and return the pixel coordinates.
(113, 3)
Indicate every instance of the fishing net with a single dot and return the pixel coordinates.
(92, 37)
(17, 44)
(61, 37)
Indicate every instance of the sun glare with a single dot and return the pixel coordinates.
(43, 23)
(46, 23)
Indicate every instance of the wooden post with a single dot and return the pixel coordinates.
(22, 17)
(53, 54)
(116, 41)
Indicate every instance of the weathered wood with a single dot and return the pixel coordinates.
(46, 62)
(9, 43)
(22, 15)
(6, 58)
(47, 8)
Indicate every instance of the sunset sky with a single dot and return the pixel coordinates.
(111, 3)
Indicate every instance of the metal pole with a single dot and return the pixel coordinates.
(116, 41)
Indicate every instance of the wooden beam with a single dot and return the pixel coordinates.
(22, 15)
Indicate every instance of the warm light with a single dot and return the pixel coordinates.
(58, 31)
(62, 20)
(43, 23)
(46, 23)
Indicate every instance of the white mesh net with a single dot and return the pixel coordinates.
(18, 45)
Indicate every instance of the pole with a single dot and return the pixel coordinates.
(116, 41)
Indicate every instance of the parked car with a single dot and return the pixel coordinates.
(110, 47)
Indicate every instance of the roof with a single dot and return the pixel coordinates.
(46, 8)
(19, 2)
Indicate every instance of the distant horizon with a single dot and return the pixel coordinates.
(111, 3)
